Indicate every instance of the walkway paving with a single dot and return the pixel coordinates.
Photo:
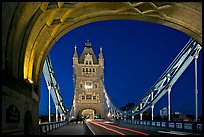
(72, 129)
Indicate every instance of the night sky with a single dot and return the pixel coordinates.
(136, 53)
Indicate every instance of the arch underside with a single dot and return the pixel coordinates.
(88, 113)
(33, 31)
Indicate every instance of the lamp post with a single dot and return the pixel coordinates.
(169, 105)
(196, 86)
(49, 90)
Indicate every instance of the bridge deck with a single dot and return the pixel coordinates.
(71, 129)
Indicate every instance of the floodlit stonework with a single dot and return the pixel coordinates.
(88, 81)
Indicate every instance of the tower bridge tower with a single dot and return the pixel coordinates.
(88, 79)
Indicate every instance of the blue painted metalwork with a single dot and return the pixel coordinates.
(51, 81)
(168, 78)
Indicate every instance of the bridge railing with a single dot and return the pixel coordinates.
(193, 127)
(47, 127)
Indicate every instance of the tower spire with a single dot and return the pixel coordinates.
(100, 54)
(75, 52)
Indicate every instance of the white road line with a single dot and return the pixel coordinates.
(91, 129)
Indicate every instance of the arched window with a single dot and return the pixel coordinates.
(81, 86)
(88, 97)
(89, 69)
(88, 85)
(90, 62)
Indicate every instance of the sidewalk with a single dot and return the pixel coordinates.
(72, 129)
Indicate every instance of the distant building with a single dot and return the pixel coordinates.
(88, 80)
(177, 113)
(163, 112)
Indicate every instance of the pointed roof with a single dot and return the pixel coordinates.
(75, 52)
(88, 49)
(100, 54)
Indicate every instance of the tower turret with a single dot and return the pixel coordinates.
(75, 57)
(101, 59)
(88, 75)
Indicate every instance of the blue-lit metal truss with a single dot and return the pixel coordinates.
(52, 85)
(160, 88)
(168, 78)
(163, 84)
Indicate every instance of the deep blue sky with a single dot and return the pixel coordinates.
(136, 54)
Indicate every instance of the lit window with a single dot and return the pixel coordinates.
(88, 97)
(88, 85)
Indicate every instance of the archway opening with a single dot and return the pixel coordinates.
(88, 113)
(164, 46)
(12, 59)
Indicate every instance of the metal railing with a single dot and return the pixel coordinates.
(193, 127)
(47, 127)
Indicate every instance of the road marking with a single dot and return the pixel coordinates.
(91, 129)
(107, 128)
(128, 129)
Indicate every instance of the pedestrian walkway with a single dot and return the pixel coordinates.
(71, 129)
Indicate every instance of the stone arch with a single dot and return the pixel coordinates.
(28, 124)
(37, 29)
(31, 29)
(85, 112)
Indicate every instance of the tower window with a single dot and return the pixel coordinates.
(88, 97)
(90, 62)
(86, 62)
(93, 69)
(94, 97)
(86, 69)
(89, 69)
(88, 85)
(83, 69)
(81, 85)
(82, 97)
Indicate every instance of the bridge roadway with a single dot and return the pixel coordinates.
(104, 127)
(71, 129)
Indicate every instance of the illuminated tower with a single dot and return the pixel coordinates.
(88, 76)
